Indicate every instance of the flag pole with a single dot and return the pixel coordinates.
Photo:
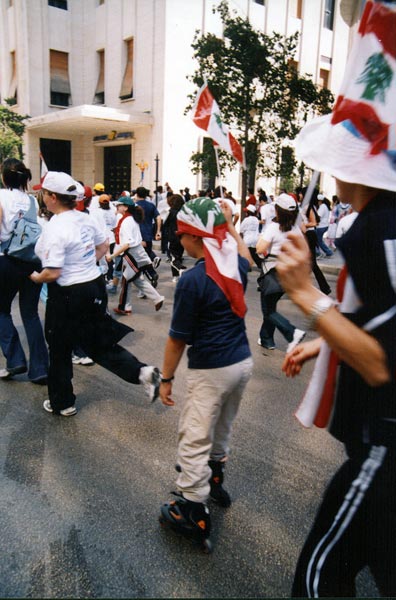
(218, 171)
(310, 189)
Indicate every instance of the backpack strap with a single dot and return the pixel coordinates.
(31, 213)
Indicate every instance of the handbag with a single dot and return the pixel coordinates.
(24, 237)
(268, 283)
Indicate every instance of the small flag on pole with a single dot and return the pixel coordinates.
(207, 116)
(43, 172)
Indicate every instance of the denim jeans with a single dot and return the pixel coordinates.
(12, 281)
(320, 231)
(273, 320)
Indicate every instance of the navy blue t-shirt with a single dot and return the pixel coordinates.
(202, 317)
(363, 412)
(150, 213)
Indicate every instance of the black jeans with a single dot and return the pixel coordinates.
(77, 315)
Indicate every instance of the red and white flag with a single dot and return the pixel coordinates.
(207, 116)
(43, 173)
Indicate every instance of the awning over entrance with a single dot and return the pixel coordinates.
(87, 118)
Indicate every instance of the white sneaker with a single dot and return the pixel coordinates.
(66, 412)
(298, 337)
(150, 378)
(4, 374)
(128, 307)
(86, 361)
(140, 294)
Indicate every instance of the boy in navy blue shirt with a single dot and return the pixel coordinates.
(208, 316)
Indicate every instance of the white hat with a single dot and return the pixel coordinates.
(250, 208)
(286, 202)
(62, 183)
(357, 142)
(320, 197)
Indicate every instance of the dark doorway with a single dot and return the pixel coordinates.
(117, 169)
(56, 154)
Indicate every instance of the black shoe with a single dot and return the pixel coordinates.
(217, 492)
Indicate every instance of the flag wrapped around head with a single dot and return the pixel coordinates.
(357, 142)
(204, 218)
(207, 116)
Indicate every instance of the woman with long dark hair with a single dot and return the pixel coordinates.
(312, 221)
(14, 203)
(269, 244)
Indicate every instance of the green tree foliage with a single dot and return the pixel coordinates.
(262, 97)
(12, 128)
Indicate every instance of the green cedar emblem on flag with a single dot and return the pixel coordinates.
(377, 76)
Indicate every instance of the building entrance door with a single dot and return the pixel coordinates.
(117, 169)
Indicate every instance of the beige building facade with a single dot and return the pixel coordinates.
(104, 81)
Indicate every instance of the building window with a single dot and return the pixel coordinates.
(59, 72)
(13, 90)
(58, 4)
(324, 78)
(99, 97)
(328, 17)
(295, 8)
(127, 81)
(262, 2)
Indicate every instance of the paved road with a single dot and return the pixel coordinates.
(80, 497)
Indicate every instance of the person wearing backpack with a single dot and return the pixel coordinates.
(15, 202)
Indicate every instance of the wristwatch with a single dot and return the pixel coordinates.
(319, 308)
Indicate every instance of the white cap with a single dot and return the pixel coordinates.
(320, 197)
(250, 208)
(286, 202)
(62, 183)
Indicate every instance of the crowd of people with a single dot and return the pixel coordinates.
(90, 245)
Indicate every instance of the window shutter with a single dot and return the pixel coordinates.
(59, 69)
(127, 82)
(100, 86)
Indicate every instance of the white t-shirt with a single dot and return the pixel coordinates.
(324, 215)
(130, 232)
(68, 243)
(267, 213)
(250, 230)
(110, 221)
(345, 223)
(12, 203)
(276, 238)
(230, 203)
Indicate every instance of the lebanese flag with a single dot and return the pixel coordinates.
(43, 173)
(204, 218)
(207, 116)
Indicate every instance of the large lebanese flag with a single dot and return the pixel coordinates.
(207, 116)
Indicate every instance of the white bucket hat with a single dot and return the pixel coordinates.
(357, 141)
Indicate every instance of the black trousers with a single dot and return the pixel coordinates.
(312, 240)
(355, 527)
(77, 315)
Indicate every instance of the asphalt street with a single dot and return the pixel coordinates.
(80, 496)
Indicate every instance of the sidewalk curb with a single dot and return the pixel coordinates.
(330, 269)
